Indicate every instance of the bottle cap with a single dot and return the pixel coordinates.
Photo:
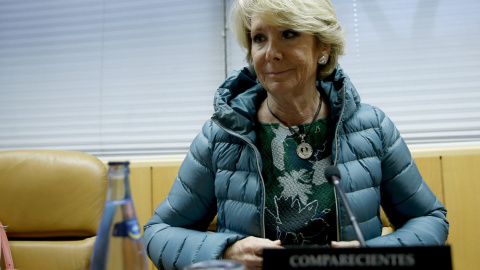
(114, 163)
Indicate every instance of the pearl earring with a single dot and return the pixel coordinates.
(322, 60)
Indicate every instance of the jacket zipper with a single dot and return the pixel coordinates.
(258, 168)
(335, 162)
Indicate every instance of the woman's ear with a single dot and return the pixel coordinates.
(325, 50)
(324, 57)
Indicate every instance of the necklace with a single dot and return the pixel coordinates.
(304, 149)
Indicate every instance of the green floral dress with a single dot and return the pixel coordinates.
(300, 203)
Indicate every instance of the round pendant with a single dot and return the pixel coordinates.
(304, 150)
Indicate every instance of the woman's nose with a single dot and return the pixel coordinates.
(274, 52)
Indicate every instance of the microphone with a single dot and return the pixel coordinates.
(332, 173)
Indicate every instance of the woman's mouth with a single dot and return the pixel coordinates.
(277, 72)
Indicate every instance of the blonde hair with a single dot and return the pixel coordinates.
(315, 17)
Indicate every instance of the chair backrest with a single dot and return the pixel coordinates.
(50, 193)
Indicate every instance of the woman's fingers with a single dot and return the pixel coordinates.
(271, 244)
(249, 251)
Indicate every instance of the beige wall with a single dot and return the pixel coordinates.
(453, 174)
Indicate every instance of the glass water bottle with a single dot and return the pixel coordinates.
(119, 242)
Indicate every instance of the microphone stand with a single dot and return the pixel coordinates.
(335, 180)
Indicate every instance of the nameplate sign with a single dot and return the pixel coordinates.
(408, 258)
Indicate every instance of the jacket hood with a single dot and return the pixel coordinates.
(338, 87)
(237, 100)
(239, 97)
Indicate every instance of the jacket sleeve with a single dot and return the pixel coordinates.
(176, 234)
(416, 213)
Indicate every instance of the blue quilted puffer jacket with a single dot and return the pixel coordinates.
(222, 174)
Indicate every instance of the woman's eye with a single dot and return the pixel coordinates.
(288, 34)
(258, 38)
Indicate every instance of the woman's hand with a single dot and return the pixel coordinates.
(249, 251)
(346, 244)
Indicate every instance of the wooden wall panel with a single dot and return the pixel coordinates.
(431, 170)
(462, 188)
(162, 180)
(141, 188)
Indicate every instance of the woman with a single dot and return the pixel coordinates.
(259, 161)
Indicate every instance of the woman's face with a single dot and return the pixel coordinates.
(285, 60)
